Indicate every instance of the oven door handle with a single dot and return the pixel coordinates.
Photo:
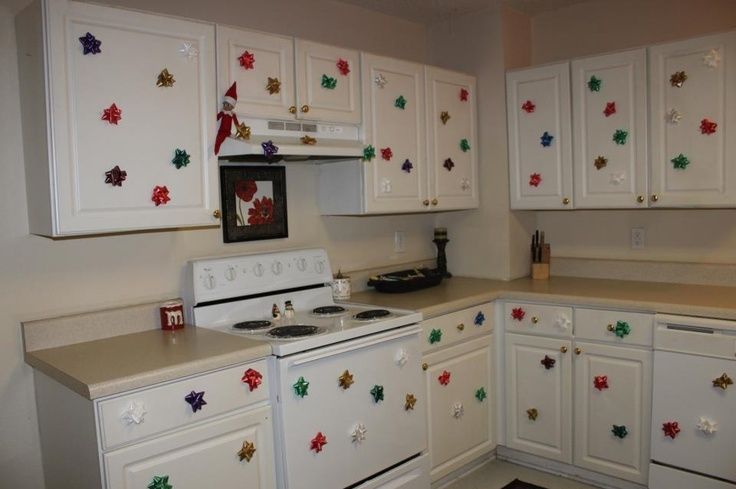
(355, 344)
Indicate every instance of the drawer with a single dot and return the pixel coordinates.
(630, 328)
(450, 328)
(147, 412)
(538, 319)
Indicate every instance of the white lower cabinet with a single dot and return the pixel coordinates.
(460, 409)
(206, 455)
(612, 404)
(582, 403)
(538, 396)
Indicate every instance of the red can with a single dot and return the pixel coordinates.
(172, 315)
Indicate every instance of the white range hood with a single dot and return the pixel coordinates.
(333, 141)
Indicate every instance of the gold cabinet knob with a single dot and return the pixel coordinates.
(425, 366)
(305, 108)
(460, 327)
(435, 202)
(640, 199)
(565, 201)
(563, 349)
(217, 214)
(535, 319)
(425, 202)
(578, 351)
(292, 109)
(654, 197)
(610, 327)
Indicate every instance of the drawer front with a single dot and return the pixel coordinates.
(147, 412)
(450, 328)
(630, 328)
(235, 451)
(523, 317)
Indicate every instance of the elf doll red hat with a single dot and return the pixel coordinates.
(231, 96)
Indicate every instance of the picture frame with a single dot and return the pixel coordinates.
(253, 200)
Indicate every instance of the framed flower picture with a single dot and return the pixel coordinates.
(253, 202)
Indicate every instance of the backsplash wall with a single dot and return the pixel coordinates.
(44, 278)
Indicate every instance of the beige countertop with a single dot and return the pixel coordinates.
(460, 292)
(113, 365)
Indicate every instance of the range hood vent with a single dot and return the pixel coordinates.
(333, 142)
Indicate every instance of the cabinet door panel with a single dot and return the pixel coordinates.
(203, 456)
(456, 188)
(540, 176)
(459, 422)
(273, 57)
(538, 400)
(155, 121)
(609, 174)
(389, 188)
(338, 104)
(623, 400)
(708, 92)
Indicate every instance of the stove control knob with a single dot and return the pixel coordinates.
(258, 270)
(301, 264)
(210, 281)
(319, 266)
(277, 268)
(230, 273)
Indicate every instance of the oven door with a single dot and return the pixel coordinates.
(365, 419)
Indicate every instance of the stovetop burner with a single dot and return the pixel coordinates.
(328, 310)
(372, 314)
(295, 331)
(252, 325)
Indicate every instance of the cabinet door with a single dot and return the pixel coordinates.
(612, 405)
(453, 140)
(610, 127)
(252, 59)
(459, 412)
(540, 155)
(397, 134)
(326, 88)
(693, 86)
(209, 455)
(539, 396)
(155, 122)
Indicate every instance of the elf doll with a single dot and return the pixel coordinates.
(226, 116)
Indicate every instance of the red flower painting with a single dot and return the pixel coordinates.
(261, 212)
(246, 189)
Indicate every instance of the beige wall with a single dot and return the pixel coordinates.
(486, 242)
(607, 25)
(40, 277)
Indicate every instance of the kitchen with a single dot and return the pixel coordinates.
(101, 272)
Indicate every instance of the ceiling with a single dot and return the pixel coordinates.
(432, 10)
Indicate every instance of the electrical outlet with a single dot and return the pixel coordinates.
(399, 246)
(638, 238)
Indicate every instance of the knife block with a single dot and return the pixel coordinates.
(540, 271)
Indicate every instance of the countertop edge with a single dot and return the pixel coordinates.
(151, 378)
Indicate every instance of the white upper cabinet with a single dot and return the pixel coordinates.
(393, 123)
(453, 140)
(253, 59)
(118, 113)
(327, 83)
(610, 130)
(540, 156)
(693, 112)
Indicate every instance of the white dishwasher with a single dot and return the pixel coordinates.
(694, 404)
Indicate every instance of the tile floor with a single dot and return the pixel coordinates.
(496, 474)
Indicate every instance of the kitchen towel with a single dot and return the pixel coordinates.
(517, 484)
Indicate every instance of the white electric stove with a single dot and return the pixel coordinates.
(348, 389)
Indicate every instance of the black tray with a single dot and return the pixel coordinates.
(405, 280)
